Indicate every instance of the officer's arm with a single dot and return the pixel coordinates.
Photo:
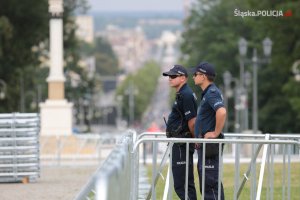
(191, 124)
(220, 121)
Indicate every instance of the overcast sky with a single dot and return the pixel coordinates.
(136, 5)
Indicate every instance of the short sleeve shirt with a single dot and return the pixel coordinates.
(211, 101)
(183, 109)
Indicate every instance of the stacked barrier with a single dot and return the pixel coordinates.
(19, 147)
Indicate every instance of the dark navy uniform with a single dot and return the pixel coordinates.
(183, 109)
(211, 101)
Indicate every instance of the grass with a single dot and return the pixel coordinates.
(228, 182)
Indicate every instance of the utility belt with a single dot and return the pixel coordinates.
(212, 149)
(175, 134)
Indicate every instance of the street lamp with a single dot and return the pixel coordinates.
(2, 89)
(296, 70)
(228, 79)
(131, 91)
(119, 99)
(247, 82)
(267, 47)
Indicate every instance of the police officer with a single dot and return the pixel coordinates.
(180, 124)
(209, 123)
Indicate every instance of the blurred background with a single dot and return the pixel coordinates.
(115, 52)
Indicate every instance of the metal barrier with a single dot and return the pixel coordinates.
(19, 147)
(118, 177)
(267, 157)
(87, 149)
(113, 179)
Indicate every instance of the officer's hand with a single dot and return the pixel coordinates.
(210, 135)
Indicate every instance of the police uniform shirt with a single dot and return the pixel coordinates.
(183, 109)
(211, 101)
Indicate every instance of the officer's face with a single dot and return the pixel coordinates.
(175, 80)
(198, 78)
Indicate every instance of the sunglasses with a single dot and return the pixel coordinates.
(174, 76)
(196, 74)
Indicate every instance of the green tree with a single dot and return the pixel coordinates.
(24, 33)
(22, 25)
(106, 60)
(145, 82)
(212, 32)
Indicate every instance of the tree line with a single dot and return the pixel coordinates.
(212, 32)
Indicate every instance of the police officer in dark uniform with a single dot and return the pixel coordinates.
(180, 124)
(209, 123)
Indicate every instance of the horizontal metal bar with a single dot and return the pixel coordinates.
(297, 135)
(19, 174)
(5, 115)
(17, 130)
(20, 165)
(19, 121)
(227, 141)
(19, 148)
(19, 156)
(19, 139)
(150, 134)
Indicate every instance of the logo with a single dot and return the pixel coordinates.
(288, 13)
(188, 112)
(260, 13)
(217, 103)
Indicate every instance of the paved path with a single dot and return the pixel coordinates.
(59, 183)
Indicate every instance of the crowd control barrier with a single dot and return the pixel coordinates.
(264, 151)
(113, 179)
(118, 177)
(19, 147)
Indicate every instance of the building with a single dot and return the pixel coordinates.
(85, 28)
(130, 46)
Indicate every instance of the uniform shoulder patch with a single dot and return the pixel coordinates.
(213, 90)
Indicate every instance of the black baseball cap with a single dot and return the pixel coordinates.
(205, 68)
(176, 70)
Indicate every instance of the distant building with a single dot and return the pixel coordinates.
(130, 45)
(85, 32)
(85, 28)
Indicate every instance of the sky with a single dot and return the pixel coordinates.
(136, 5)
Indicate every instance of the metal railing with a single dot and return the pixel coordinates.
(118, 177)
(267, 157)
(19, 147)
(67, 150)
(113, 179)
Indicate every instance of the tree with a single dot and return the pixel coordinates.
(24, 25)
(211, 33)
(106, 60)
(24, 33)
(145, 82)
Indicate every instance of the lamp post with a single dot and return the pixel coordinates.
(228, 79)
(2, 89)
(227, 93)
(243, 95)
(296, 70)
(247, 82)
(131, 91)
(267, 47)
(119, 99)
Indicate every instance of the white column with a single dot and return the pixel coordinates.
(56, 50)
(56, 112)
